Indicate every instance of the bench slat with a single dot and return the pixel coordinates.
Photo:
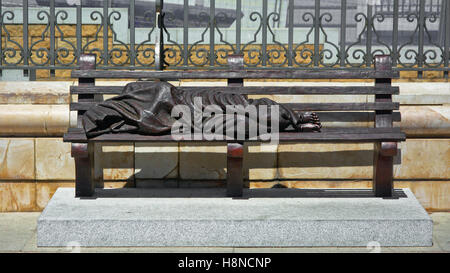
(258, 90)
(330, 135)
(353, 116)
(74, 89)
(233, 74)
(330, 116)
(344, 106)
(354, 130)
(76, 106)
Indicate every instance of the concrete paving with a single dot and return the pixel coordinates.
(18, 234)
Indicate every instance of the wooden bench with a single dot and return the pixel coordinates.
(383, 135)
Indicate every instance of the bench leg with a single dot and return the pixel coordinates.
(383, 169)
(84, 169)
(235, 173)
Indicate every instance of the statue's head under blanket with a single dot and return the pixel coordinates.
(145, 107)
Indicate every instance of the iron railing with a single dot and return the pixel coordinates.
(281, 34)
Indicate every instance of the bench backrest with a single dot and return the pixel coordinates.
(380, 110)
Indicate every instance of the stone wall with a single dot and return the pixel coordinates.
(34, 161)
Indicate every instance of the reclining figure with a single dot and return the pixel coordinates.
(145, 108)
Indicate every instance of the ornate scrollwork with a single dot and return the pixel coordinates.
(327, 54)
(254, 53)
(145, 48)
(305, 53)
(41, 53)
(201, 53)
(431, 54)
(380, 18)
(417, 50)
(117, 53)
(275, 53)
(64, 52)
(410, 54)
(174, 53)
(10, 52)
(222, 53)
(357, 54)
(95, 15)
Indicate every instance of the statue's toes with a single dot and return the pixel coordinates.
(308, 117)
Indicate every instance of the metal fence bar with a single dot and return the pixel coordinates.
(447, 37)
(316, 33)
(79, 31)
(52, 37)
(290, 32)
(186, 33)
(395, 34)
(25, 35)
(159, 42)
(279, 12)
(275, 9)
(369, 36)
(238, 25)
(421, 33)
(132, 33)
(264, 34)
(342, 52)
(105, 32)
(212, 24)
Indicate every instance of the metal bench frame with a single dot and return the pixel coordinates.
(383, 135)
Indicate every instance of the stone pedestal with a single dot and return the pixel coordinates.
(263, 218)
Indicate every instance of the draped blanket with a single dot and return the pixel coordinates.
(145, 108)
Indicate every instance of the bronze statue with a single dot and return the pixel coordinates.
(145, 107)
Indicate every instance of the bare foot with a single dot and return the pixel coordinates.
(309, 122)
(310, 127)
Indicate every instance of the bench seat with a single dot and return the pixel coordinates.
(352, 115)
(326, 135)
